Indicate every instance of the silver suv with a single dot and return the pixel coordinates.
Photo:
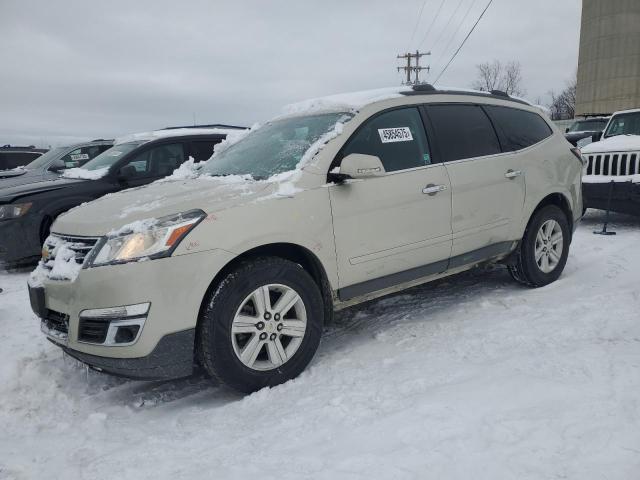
(236, 264)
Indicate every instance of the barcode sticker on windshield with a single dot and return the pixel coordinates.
(399, 134)
(79, 156)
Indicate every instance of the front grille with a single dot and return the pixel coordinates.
(613, 164)
(81, 246)
(93, 330)
(56, 321)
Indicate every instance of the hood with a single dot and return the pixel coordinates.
(14, 172)
(13, 192)
(27, 176)
(619, 143)
(159, 199)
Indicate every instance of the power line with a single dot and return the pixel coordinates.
(431, 24)
(413, 34)
(455, 34)
(435, 43)
(464, 41)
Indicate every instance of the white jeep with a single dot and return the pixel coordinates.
(612, 174)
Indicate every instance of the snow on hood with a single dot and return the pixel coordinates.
(84, 174)
(175, 132)
(619, 143)
(111, 212)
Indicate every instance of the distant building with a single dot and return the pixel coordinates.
(609, 59)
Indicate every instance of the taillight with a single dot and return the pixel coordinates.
(578, 154)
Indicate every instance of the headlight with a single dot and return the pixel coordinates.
(14, 211)
(154, 238)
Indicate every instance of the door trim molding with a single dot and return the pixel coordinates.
(405, 276)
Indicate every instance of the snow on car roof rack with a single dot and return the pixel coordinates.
(428, 89)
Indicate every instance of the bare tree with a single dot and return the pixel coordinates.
(496, 76)
(563, 104)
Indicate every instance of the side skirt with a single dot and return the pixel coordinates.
(381, 286)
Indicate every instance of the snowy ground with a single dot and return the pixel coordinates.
(472, 377)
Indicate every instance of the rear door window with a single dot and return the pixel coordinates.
(397, 137)
(516, 128)
(158, 161)
(462, 131)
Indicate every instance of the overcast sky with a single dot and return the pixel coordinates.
(86, 69)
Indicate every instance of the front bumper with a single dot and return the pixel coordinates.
(20, 241)
(174, 287)
(171, 358)
(625, 196)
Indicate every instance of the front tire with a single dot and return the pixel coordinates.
(262, 325)
(544, 249)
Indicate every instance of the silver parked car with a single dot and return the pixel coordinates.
(237, 263)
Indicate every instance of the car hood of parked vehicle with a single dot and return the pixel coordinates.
(12, 178)
(116, 210)
(12, 193)
(619, 143)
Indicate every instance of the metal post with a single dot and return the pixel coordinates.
(606, 216)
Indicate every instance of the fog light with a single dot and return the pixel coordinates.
(127, 334)
(114, 326)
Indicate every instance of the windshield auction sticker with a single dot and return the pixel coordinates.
(399, 134)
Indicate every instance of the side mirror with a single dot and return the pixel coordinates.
(566, 130)
(596, 137)
(127, 173)
(359, 165)
(57, 166)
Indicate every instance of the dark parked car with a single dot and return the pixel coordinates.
(585, 128)
(55, 161)
(27, 211)
(14, 157)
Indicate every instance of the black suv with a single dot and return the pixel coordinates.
(27, 211)
(13, 157)
(55, 161)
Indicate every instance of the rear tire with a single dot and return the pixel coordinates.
(544, 248)
(248, 338)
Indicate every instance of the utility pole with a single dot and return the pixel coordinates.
(413, 68)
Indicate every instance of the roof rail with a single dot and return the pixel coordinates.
(423, 87)
(103, 140)
(213, 125)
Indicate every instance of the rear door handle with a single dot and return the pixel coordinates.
(432, 189)
(513, 173)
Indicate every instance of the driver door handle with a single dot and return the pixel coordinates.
(512, 173)
(433, 189)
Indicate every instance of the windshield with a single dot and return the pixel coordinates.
(274, 148)
(624, 124)
(44, 160)
(111, 156)
(588, 126)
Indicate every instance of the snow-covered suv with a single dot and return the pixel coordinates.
(612, 174)
(237, 263)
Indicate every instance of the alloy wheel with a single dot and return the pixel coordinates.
(269, 327)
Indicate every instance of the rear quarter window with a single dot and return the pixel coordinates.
(517, 129)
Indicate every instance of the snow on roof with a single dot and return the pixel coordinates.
(344, 101)
(173, 132)
(632, 110)
(356, 100)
